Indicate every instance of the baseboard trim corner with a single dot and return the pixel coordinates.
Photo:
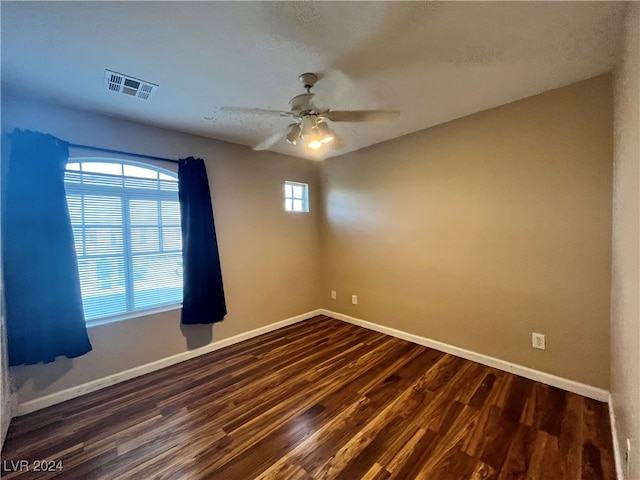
(93, 385)
(617, 456)
(589, 391)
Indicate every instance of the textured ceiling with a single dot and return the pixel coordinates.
(433, 61)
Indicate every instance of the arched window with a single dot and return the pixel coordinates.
(126, 225)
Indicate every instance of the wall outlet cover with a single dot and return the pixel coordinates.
(538, 341)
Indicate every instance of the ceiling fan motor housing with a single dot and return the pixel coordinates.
(308, 80)
(301, 103)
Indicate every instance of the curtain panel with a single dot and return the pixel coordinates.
(204, 300)
(44, 313)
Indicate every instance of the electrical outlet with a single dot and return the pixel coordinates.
(538, 341)
(334, 294)
(627, 458)
(354, 299)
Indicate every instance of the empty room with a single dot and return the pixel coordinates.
(320, 240)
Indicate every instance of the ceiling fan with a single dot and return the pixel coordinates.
(310, 126)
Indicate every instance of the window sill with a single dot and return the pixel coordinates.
(129, 315)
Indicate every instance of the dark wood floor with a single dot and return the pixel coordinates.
(321, 399)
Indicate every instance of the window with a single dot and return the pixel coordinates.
(126, 226)
(296, 197)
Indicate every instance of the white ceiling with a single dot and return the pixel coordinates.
(433, 61)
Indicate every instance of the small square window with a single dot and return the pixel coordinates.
(296, 197)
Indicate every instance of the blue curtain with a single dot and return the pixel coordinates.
(203, 300)
(44, 312)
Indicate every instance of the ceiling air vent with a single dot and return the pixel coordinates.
(126, 85)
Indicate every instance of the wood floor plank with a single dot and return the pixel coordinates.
(376, 472)
(571, 436)
(319, 446)
(596, 430)
(482, 471)
(591, 463)
(288, 471)
(448, 444)
(320, 399)
(411, 464)
(408, 399)
(519, 454)
(482, 392)
(409, 447)
(452, 464)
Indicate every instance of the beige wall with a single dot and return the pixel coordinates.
(483, 230)
(474, 233)
(269, 257)
(625, 308)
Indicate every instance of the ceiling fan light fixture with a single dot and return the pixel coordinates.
(293, 133)
(314, 144)
(319, 135)
(324, 132)
(311, 128)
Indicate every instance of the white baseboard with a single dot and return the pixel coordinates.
(69, 393)
(546, 378)
(616, 443)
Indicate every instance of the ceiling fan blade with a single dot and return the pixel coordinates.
(361, 115)
(257, 111)
(302, 102)
(270, 142)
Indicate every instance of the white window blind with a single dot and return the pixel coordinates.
(126, 226)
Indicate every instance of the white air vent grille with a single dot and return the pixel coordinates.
(133, 87)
